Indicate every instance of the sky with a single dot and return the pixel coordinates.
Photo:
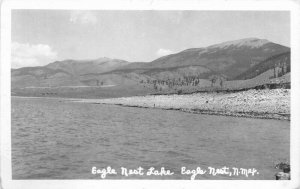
(40, 37)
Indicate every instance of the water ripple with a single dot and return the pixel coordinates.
(57, 139)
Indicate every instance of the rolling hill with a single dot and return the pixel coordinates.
(219, 65)
(62, 73)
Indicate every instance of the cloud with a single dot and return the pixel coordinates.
(24, 55)
(163, 52)
(83, 17)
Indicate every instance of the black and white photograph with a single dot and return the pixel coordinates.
(149, 94)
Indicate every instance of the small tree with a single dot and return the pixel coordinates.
(213, 79)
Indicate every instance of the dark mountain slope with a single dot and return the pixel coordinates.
(229, 58)
(280, 63)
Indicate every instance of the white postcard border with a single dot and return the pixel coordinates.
(7, 6)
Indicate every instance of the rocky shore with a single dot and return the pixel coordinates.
(269, 104)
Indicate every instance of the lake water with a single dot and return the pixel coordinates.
(61, 139)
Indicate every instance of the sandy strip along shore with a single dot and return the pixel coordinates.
(269, 104)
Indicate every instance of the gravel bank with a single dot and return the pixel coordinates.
(271, 104)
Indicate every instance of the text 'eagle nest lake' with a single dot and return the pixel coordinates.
(182, 97)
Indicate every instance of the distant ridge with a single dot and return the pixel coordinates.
(193, 68)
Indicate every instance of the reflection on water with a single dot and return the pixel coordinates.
(58, 139)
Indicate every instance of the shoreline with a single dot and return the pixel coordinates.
(285, 117)
(262, 104)
(255, 115)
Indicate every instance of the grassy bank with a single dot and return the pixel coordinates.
(271, 104)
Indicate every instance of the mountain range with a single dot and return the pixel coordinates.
(196, 68)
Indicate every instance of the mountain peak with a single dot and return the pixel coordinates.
(248, 42)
